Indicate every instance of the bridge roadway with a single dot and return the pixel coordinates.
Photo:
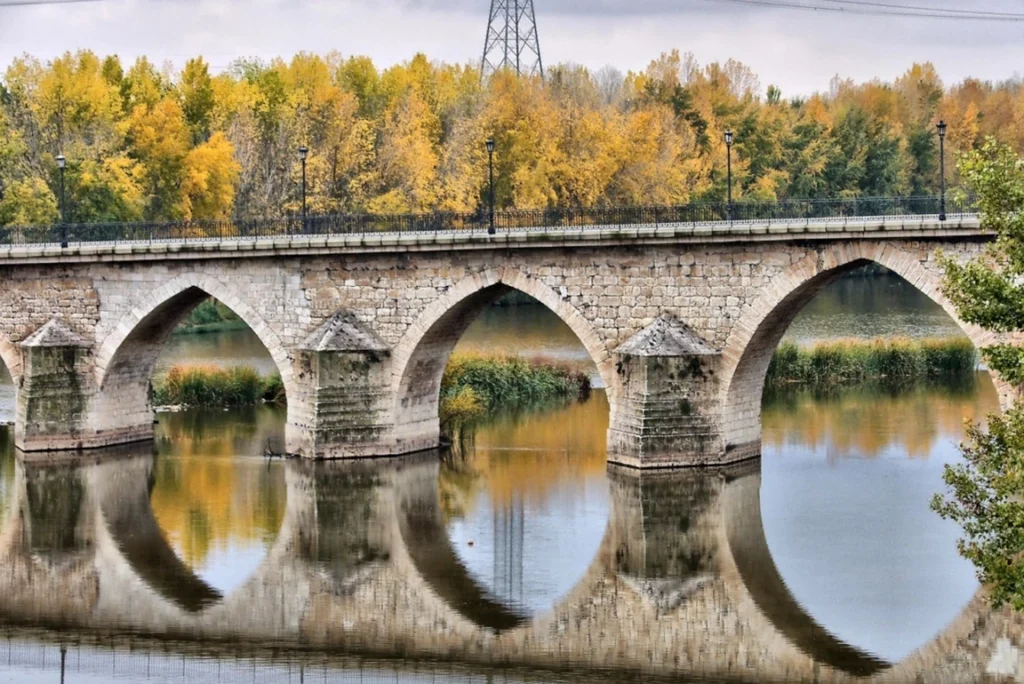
(680, 319)
(683, 583)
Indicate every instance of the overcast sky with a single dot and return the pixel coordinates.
(796, 50)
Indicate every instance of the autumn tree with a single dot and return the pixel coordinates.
(196, 91)
(208, 180)
(158, 139)
(142, 142)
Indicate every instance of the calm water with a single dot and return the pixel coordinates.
(197, 559)
(871, 306)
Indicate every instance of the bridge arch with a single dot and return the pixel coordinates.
(126, 358)
(420, 357)
(11, 356)
(755, 336)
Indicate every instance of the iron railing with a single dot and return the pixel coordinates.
(542, 219)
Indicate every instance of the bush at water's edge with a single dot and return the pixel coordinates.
(474, 386)
(206, 386)
(853, 362)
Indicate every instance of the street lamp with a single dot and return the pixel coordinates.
(942, 169)
(303, 153)
(490, 176)
(61, 163)
(728, 157)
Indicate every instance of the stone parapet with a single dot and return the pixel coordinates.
(700, 233)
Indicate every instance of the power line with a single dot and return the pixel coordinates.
(943, 10)
(934, 13)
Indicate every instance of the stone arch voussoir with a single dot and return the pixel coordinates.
(419, 358)
(214, 287)
(513, 278)
(11, 356)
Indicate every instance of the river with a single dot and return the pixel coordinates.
(426, 569)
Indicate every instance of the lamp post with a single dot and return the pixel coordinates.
(942, 169)
(61, 163)
(728, 165)
(490, 182)
(303, 153)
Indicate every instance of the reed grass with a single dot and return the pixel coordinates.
(203, 385)
(852, 362)
(476, 385)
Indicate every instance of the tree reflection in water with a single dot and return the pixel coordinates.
(369, 556)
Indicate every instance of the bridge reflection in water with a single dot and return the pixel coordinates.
(363, 567)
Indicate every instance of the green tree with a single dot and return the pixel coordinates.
(984, 495)
(197, 102)
(104, 192)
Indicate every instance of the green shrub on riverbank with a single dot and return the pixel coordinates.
(851, 362)
(206, 386)
(209, 317)
(473, 385)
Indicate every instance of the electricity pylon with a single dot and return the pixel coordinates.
(512, 41)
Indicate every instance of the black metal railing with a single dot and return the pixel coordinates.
(564, 218)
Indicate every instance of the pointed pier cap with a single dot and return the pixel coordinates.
(343, 332)
(54, 334)
(666, 336)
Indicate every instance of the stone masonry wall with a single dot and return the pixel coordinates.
(726, 294)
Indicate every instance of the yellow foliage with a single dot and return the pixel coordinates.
(410, 138)
(205, 497)
(208, 186)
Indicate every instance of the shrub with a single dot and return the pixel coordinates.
(850, 362)
(474, 385)
(206, 385)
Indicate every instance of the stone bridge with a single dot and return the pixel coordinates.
(682, 585)
(681, 321)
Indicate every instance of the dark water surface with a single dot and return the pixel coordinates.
(519, 555)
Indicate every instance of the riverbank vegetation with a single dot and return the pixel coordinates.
(201, 385)
(474, 386)
(983, 493)
(148, 143)
(210, 317)
(854, 362)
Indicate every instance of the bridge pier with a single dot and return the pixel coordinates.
(670, 409)
(54, 397)
(343, 382)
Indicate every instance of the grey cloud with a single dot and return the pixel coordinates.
(798, 51)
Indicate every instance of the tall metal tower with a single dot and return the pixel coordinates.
(512, 41)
